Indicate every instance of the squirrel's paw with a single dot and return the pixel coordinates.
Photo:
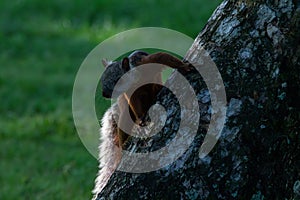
(142, 121)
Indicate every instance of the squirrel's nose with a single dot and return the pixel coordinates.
(105, 94)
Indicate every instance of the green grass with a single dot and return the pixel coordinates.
(42, 44)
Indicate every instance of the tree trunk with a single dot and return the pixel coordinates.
(256, 47)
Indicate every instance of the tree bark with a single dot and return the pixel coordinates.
(256, 47)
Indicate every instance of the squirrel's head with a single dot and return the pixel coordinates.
(112, 74)
(115, 70)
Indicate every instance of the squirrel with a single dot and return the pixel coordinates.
(114, 138)
(143, 98)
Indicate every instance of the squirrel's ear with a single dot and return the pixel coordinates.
(125, 64)
(106, 62)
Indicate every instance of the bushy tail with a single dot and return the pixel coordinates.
(109, 153)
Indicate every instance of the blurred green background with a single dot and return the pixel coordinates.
(42, 44)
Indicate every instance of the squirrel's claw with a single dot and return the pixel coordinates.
(142, 121)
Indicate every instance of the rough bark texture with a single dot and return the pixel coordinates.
(256, 46)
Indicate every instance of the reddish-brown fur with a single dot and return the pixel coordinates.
(143, 98)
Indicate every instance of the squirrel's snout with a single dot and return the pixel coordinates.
(106, 95)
